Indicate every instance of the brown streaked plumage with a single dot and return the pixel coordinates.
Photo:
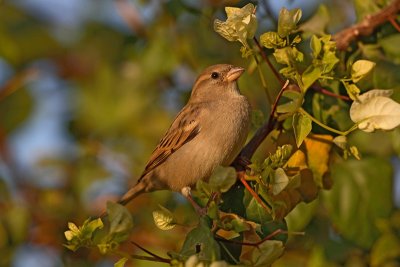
(209, 131)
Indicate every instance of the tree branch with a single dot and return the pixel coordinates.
(251, 147)
(366, 26)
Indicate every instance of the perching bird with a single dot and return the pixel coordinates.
(209, 131)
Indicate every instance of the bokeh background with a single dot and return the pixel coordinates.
(87, 89)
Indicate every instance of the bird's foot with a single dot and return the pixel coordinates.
(201, 211)
(241, 163)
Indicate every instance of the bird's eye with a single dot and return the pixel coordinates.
(214, 75)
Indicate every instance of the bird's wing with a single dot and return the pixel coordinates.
(183, 129)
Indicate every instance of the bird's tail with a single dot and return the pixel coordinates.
(138, 189)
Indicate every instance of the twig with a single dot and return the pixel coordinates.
(329, 93)
(17, 82)
(248, 151)
(242, 179)
(147, 258)
(395, 24)
(264, 56)
(154, 256)
(366, 26)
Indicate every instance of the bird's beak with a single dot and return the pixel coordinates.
(234, 74)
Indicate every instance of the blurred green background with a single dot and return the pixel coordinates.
(88, 87)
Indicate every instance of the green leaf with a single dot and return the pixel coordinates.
(82, 236)
(163, 218)
(121, 222)
(315, 45)
(201, 241)
(279, 158)
(281, 180)
(352, 90)
(353, 150)
(329, 58)
(232, 201)
(301, 215)
(256, 213)
(340, 141)
(267, 253)
(385, 75)
(385, 249)
(371, 51)
(272, 40)
(361, 195)
(390, 46)
(222, 179)
(360, 69)
(121, 262)
(240, 25)
(302, 126)
(257, 118)
(246, 51)
(293, 105)
(288, 55)
(287, 22)
(309, 76)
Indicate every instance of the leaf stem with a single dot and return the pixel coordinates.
(326, 127)
(329, 93)
(394, 23)
(327, 77)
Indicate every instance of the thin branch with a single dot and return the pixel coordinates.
(395, 24)
(242, 179)
(251, 147)
(329, 93)
(154, 256)
(147, 258)
(264, 56)
(17, 82)
(326, 127)
(366, 26)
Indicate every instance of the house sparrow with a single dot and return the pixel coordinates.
(209, 131)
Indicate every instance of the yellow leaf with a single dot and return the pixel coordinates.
(297, 161)
(318, 148)
(164, 219)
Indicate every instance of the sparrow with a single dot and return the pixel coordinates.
(209, 131)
